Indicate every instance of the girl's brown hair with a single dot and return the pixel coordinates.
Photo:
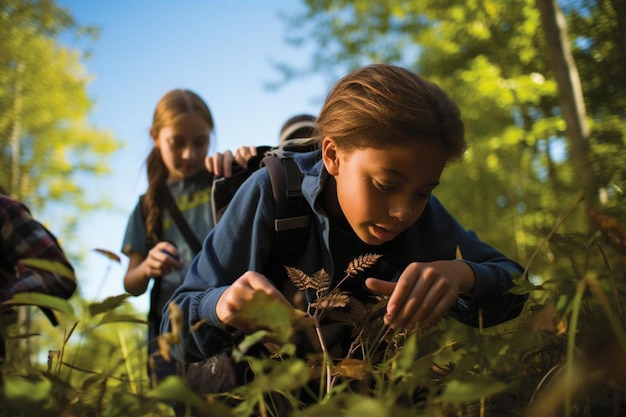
(174, 105)
(381, 105)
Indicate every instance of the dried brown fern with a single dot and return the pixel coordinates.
(334, 299)
(361, 263)
(322, 281)
(331, 300)
(301, 280)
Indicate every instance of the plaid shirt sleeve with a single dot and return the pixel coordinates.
(21, 236)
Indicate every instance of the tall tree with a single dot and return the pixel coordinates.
(45, 141)
(570, 90)
(598, 32)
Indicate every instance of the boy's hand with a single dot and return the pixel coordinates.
(240, 292)
(424, 292)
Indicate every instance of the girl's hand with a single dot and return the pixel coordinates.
(162, 259)
(240, 292)
(424, 292)
(222, 164)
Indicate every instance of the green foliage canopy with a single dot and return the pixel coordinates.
(45, 140)
(517, 177)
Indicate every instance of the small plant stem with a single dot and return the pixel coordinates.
(571, 342)
(482, 406)
(65, 340)
(127, 364)
(326, 364)
(552, 232)
(262, 408)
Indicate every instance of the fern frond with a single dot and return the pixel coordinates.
(321, 280)
(301, 280)
(332, 300)
(361, 263)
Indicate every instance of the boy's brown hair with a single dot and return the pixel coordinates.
(381, 105)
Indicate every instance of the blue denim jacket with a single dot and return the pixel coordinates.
(243, 241)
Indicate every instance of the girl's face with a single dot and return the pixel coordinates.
(382, 192)
(183, 145)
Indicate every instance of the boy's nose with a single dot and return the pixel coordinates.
(400, 209)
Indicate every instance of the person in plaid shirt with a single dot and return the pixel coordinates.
(21, 237)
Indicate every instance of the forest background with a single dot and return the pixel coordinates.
(540, 84)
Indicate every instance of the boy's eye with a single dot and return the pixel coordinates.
(383, 187)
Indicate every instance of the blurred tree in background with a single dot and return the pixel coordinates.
(45, 140)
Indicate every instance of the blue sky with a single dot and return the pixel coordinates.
(223, 50)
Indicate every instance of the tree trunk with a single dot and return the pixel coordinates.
(16, 133)
(570, 92)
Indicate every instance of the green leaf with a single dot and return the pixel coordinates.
(108, 304)
(111, 317)
(42, 300)
(49, 266)
(357, 405)
(264, 312)
(285, 376)
(405, 359)
(27, 392)
(249, 341)
(460, 392)
(173, 388)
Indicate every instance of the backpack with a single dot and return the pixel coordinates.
(220, 373)
(293, 215)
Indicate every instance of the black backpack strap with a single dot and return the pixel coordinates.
(177, 216)
(293, 214)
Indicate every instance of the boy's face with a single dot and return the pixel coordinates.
(382, 192)
(183, 145)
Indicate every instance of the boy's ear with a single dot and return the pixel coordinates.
(330, 156)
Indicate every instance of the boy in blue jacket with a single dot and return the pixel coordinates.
(385, 137)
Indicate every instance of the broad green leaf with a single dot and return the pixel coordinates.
(42, 300)
(357, 405)
(460, 392)
(286, 375)
(174, 388)
(27, 392)
(110, 303)
(49, 266)
(249, 341)
(264, 312)
(112, 317)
